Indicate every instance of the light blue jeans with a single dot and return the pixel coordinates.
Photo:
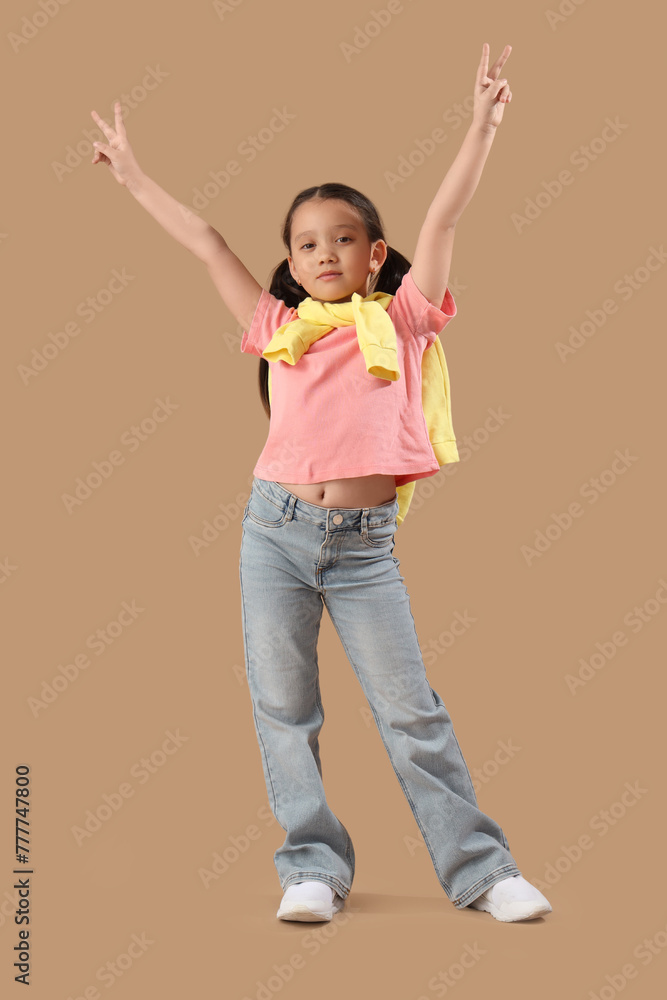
(297, 557)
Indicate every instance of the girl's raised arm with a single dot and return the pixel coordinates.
(238, 288)
(432, 258)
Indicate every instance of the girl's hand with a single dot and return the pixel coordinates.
(118, 153)
(491, 94)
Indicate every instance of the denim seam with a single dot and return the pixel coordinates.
(472, 787)
(315, 750)
(369, 542)
(349, 851)
(267, 524)
(269, 499)
(482, 884)
(445, 884)
(283, 508)
(317, 876)
(252, 700)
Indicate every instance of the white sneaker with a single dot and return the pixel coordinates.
(512, 899)
(311, 900)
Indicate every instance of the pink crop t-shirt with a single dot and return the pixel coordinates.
(330, 418)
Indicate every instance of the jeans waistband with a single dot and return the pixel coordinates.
(329, 518)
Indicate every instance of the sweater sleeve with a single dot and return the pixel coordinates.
(270, 313)
(411, 310)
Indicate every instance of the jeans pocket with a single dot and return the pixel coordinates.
(377, 536)
(262, 510)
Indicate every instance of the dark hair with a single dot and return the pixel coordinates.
(283, 285)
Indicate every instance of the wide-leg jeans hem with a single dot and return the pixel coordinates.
(482, 884)
(313, 876)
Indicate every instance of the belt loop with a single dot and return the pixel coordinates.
(364, 520)
(289, 516)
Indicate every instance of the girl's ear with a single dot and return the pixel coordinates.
(380, 257)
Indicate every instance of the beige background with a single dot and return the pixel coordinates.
(178, 665)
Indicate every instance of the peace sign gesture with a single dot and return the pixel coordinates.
(491, 94)
(118, 153)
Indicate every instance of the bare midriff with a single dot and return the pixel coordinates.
(364, 491)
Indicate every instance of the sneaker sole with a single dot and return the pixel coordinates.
(528, 911)
(301, 911)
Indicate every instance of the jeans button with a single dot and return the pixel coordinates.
(337, 518)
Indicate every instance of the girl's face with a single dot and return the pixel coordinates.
(328, 235)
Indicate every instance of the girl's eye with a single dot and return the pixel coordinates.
(312, 244)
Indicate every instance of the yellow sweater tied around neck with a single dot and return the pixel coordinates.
(377, 341)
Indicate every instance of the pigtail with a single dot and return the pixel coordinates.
(284, 287)
(390, 275)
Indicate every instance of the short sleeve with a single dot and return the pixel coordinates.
(414, 312)
(270, 313)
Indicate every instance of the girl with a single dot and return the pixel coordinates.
(348, 432)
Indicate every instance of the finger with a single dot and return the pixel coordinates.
(120, 125)
(102, 124)
(108, 131)
(505, 56)
(483, 67)
(500, 61)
